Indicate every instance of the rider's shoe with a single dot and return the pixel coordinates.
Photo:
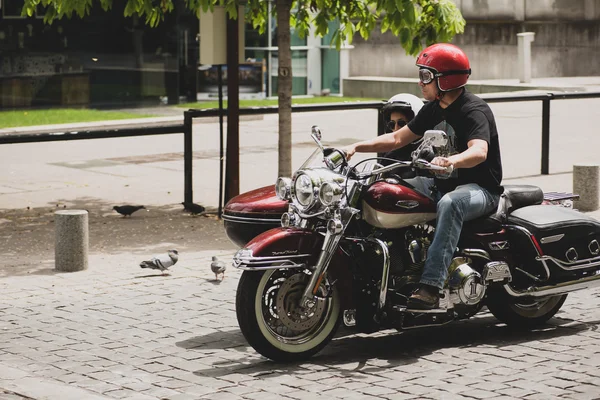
(425, 298)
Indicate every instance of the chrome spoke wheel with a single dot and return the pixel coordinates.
(278, 310)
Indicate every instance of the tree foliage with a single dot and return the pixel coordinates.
(414, 22)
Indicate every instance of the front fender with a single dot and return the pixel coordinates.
(295, 248)
(280, 246)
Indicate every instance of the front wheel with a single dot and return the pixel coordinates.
(523, 313)
(272, 321)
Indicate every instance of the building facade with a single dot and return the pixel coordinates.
(108, 60)
(567, 36)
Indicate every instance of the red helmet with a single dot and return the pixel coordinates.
(449, 63)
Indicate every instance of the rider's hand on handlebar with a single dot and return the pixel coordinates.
(443, 162)
(349, 151)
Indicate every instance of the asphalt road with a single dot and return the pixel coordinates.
(149, 170)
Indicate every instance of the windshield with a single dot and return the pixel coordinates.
(314, 161)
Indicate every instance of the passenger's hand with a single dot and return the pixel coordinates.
(442, 162)
(349, 151)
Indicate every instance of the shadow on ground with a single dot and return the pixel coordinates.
(27, 236)
(389, 348)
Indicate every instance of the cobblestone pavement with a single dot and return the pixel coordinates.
(116, 331)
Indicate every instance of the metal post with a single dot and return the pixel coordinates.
(188, 195)
(221, 188)
(380, 127)
(546, 134)
(380, 123)
(232, 167)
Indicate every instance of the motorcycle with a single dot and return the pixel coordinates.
(353, 241)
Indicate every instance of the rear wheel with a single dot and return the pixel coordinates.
(273, 323)
(525, 313)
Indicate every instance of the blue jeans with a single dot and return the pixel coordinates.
(464, 203)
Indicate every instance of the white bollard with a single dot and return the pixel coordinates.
(71, 240)
(524, 49)
(586, 183)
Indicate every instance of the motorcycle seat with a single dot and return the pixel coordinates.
(513, 198)
(517, 196)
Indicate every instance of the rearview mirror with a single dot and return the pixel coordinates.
(435, 137)
(316, 135)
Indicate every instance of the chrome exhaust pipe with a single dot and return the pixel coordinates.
(552, 290)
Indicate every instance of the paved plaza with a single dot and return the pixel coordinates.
(115, 331)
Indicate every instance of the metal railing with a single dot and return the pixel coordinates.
(545, 99)
(189, 115)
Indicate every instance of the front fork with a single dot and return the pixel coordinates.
(335, 231)
(329, 246)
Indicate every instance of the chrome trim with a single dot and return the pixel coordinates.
(251, 260)
(571, 266)
(500, 245)
(597, 250)
(329, 245)
(496, 271)
(476, 253)
(267, 266)
(384, 169)
(546, 269)
(385, 274)
(248, 220)
(552, 290)
(407, 204)
(573, 254)
(552, 239)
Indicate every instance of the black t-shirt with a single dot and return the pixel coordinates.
(467, 118)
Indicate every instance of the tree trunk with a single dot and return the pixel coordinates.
(284, 87)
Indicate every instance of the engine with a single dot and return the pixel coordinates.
(466, 285)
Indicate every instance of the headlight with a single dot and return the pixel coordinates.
(282, 188)
(304, 191)
(330, 193)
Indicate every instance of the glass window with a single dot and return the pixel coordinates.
(299, 72)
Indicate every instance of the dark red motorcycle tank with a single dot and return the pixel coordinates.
(252, 213)
(391, 205)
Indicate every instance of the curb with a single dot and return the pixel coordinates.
(116, 124)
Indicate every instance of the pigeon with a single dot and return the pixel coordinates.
(127, 210)
(161, 262)
(217, 267)
(193, 208)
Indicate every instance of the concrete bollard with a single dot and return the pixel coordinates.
(586, 183)
(524, 55)
(71, 240)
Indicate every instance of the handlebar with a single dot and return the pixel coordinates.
(419, 163)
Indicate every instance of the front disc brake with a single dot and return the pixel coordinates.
(288, 305)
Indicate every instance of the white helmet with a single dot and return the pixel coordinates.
(403, 102)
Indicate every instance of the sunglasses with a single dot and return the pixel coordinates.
(391, 125)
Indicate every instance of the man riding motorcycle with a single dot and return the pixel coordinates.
(473, 188)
